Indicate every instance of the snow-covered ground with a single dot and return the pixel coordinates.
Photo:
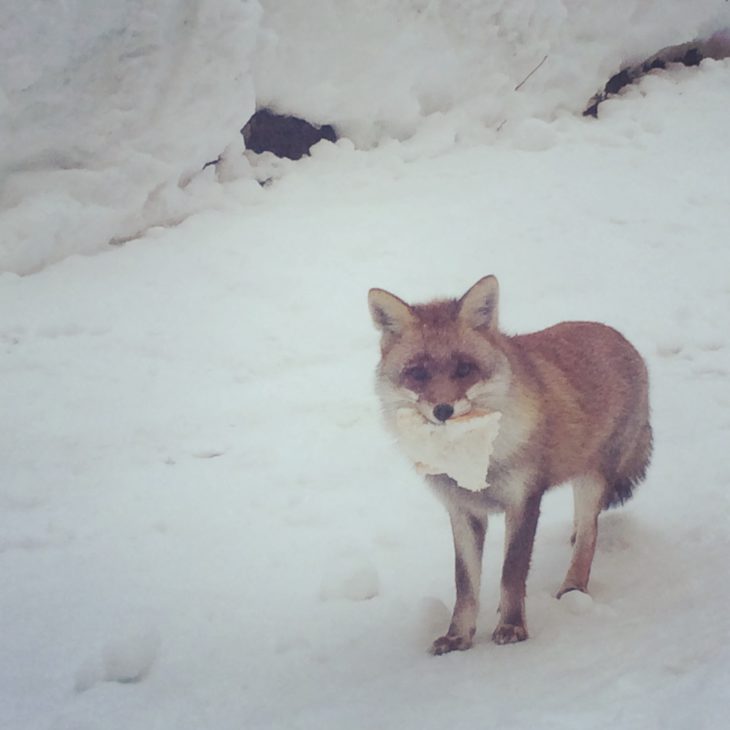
(204, 524)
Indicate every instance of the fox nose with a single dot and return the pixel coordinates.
(443, 411)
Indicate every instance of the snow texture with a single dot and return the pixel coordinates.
(204, 523)
(392, 69)
(108, 113)
(110, 110)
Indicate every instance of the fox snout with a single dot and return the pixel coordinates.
(443, 411)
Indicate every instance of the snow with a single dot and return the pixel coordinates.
(205, 524)
(111, 122)
(108, 129)
(385, 68)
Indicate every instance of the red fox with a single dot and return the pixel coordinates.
(574, 405)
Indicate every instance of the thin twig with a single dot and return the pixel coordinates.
(521, 84)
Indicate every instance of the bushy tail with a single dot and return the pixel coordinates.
(632, 470)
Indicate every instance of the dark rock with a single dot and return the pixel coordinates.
(617, 82)
(693, 57)
(285, 136)
(688, 54)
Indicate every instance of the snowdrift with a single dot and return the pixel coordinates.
(110, 111)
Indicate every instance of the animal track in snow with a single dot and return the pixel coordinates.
(126, 660)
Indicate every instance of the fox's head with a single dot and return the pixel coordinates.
(442, 358)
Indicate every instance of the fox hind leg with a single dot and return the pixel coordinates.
(589, 499)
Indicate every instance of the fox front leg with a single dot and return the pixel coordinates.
(469, 531)
(520, 527)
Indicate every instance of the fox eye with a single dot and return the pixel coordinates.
(418, 373)
(464, 369)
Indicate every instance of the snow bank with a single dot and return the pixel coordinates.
(111, 109)
(382, 68)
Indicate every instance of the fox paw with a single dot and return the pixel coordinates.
(445, 644)
(568, 587)
(509, 634)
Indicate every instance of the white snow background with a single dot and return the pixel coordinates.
(204, 524)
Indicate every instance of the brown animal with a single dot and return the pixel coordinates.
(574, 407)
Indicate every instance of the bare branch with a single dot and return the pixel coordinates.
(521, 84)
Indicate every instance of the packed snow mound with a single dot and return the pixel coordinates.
(112, 109)
(392, 68)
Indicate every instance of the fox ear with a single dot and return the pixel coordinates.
(479, 306)
(390, 314)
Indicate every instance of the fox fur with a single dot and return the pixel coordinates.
(574, 404)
